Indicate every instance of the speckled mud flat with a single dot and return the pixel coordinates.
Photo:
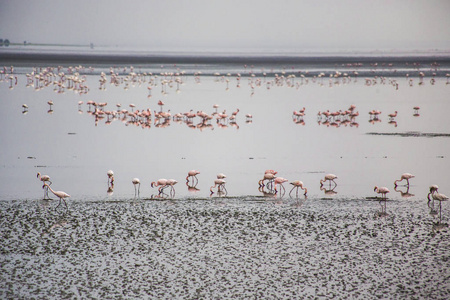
(223, 248)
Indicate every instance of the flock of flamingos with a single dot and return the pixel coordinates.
(74, 79)
(269, 181)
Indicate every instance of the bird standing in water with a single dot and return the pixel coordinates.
(220, 183)
(60, 194)
(193, 174)
(381, 190)
(136, 182)
(330, 178)
(435, 195)
(405, 176)
(110, 174)
(298, 184)
(44, 179)
(279, 181)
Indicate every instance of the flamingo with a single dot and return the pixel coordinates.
(436, 196)
(135, 182)
(220, 183)
(405, 176)
(392, 116)
(221, 176)
(298, 184)
(171, 183)
(60, 194)
(110, 174)
(280, 181)
(162, 183)
(192, 173)
(44, 179)
(381, 190)
(267, 176)
(330, 178)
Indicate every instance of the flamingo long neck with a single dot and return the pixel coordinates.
(51, 189)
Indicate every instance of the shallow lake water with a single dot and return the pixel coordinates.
(249, 242)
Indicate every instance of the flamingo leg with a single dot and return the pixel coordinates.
(292, 190)
(225, 189)
(58, 203)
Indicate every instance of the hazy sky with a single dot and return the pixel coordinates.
(236, 24)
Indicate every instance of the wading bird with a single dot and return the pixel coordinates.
(381, 190)
(435, 195)
(193, 174)
(220, 183)
(267, 176)
(60, 194)
(110, 174)
(330, 178)
(279, 181)
(298, 184)
(44, 179)
(136, 182)
(405, 176)
(162, 183)
(171, 183)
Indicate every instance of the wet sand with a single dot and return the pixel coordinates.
(223, 248)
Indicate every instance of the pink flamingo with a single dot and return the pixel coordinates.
(330, 178)
(162, 183)
(192, 173)
(61, 195)
(298, 184)
(279, 181)
(436, 196)
(220, 183)
(44, 179)
(136, 182)
(381, 190)
(392, 116)
(267, 176)
(171, 183)
(405, 176)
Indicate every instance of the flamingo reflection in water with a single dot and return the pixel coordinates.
(328, 192)
(270, 193)
(405, 194)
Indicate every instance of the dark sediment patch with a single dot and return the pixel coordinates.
(410, 134)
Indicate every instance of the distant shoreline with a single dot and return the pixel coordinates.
(123, 56)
